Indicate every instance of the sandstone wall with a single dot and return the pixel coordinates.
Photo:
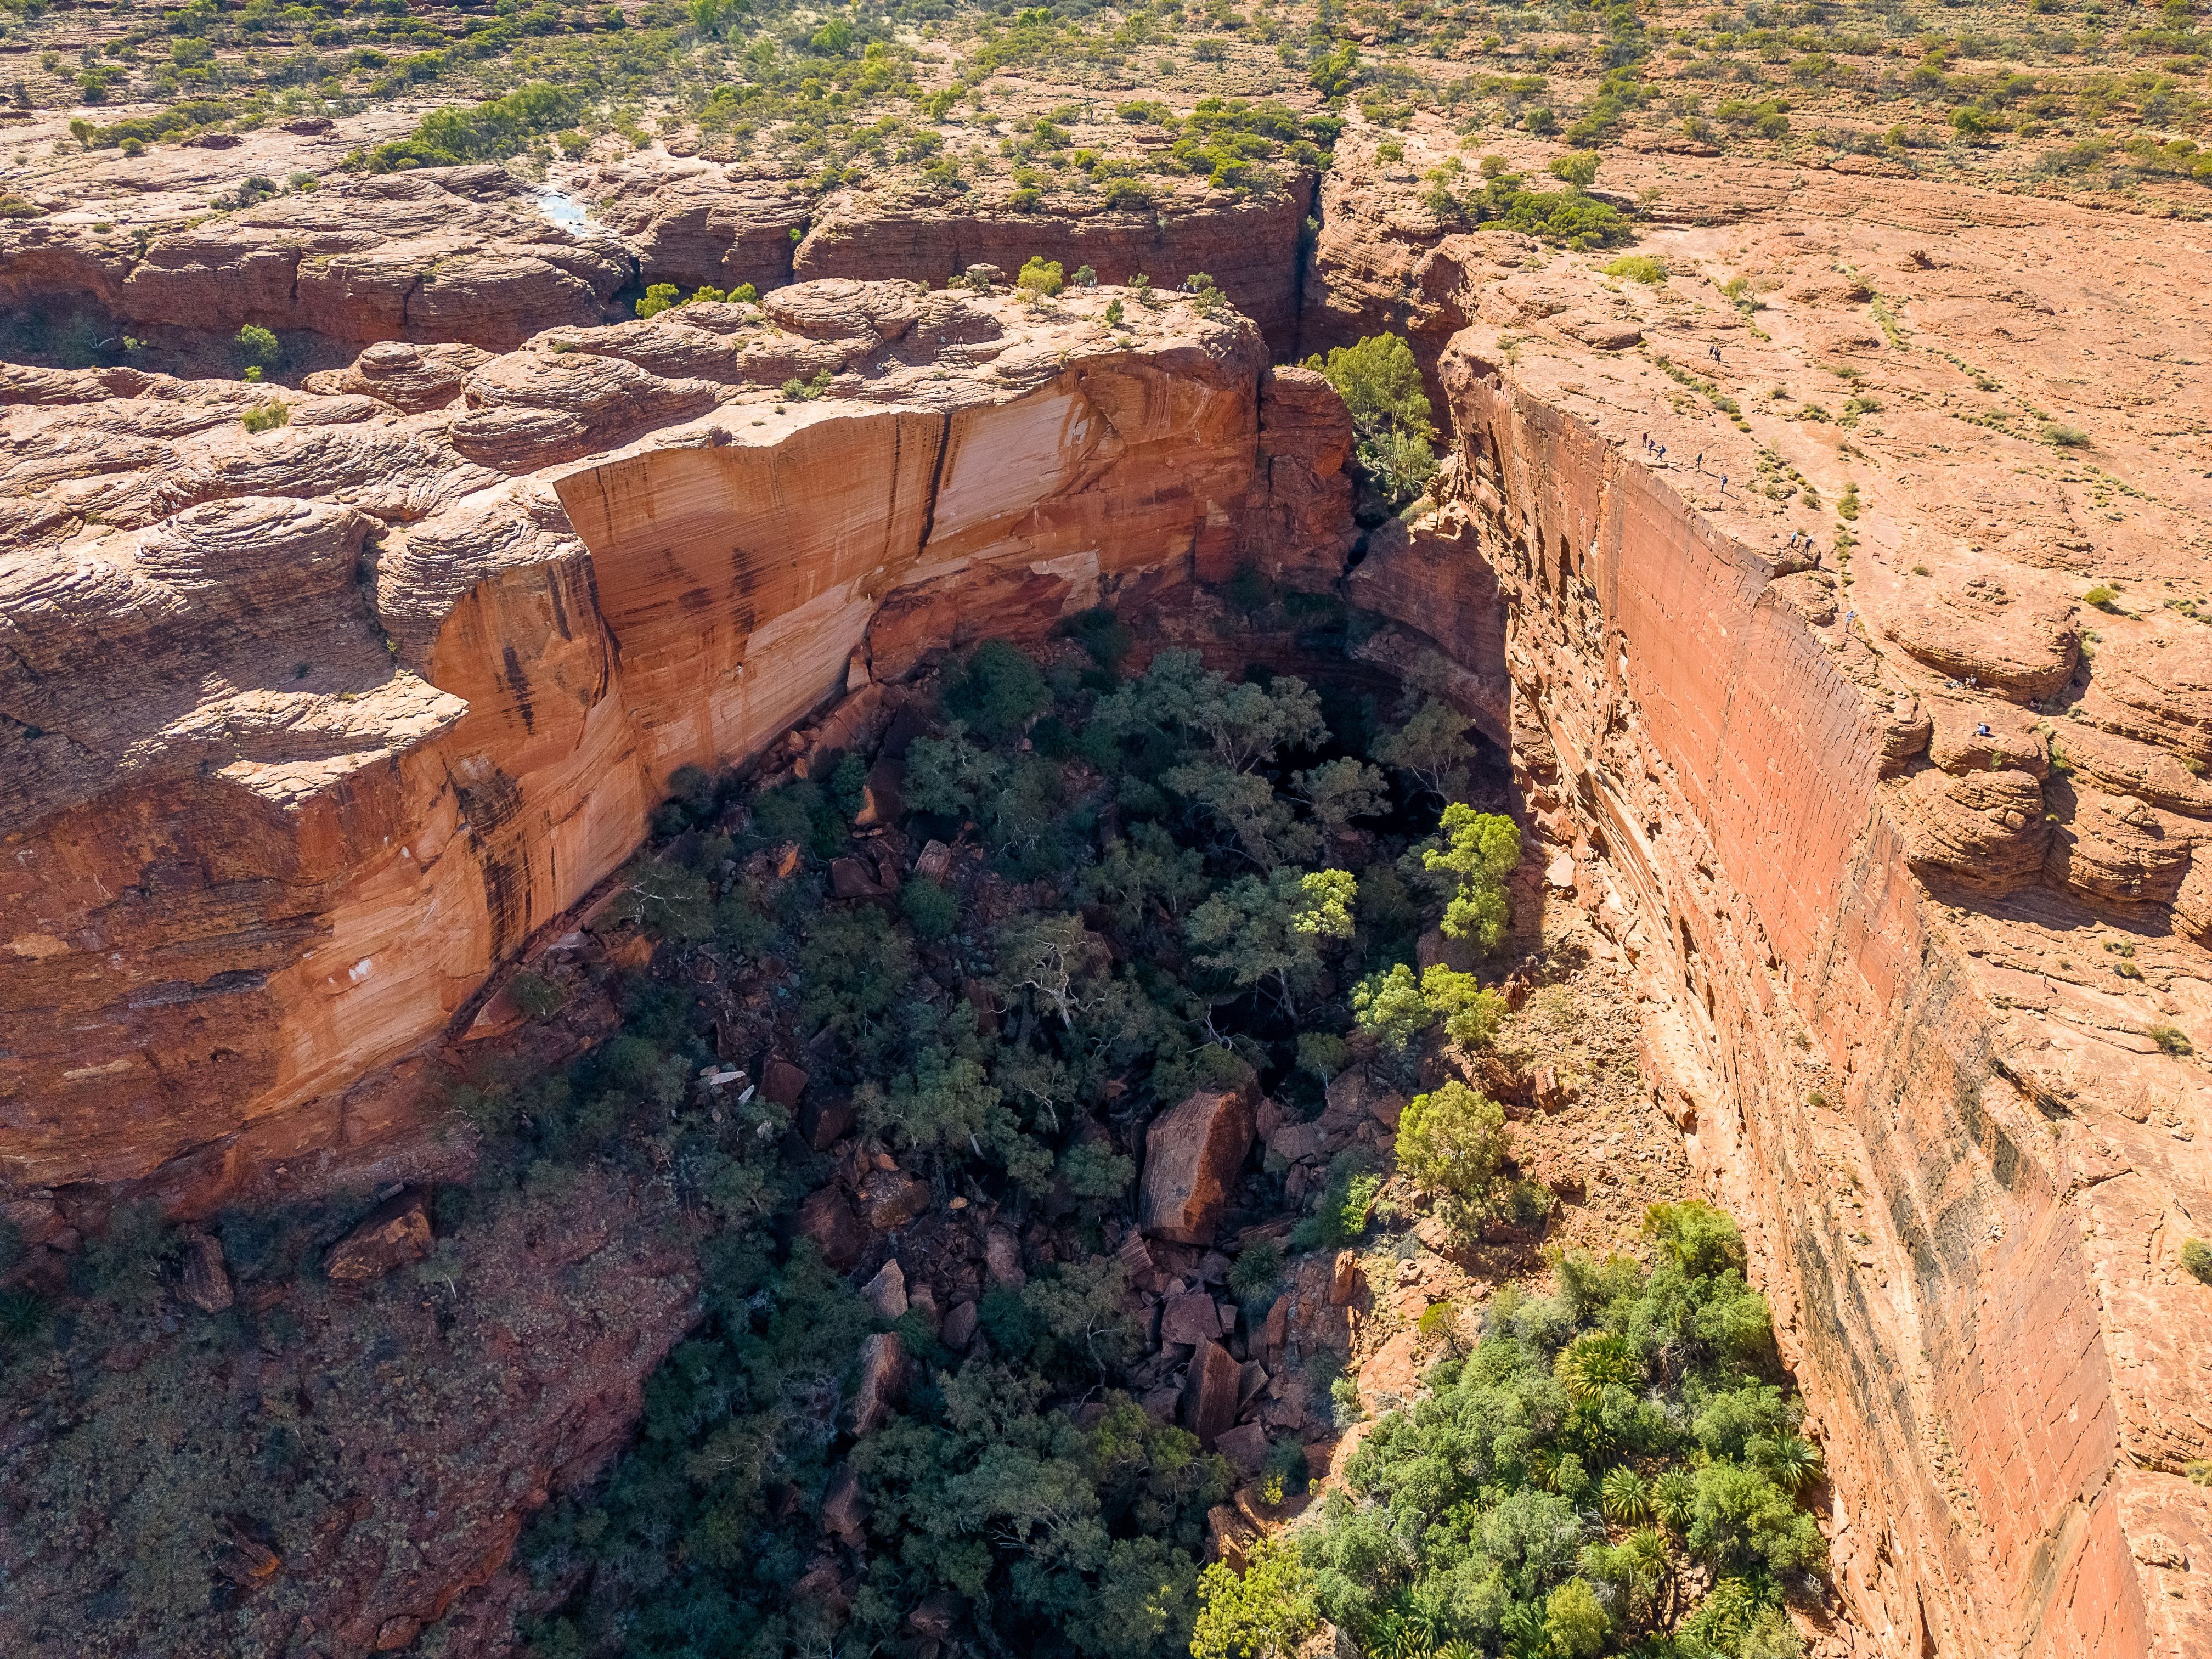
(1251, 248)
(285, 777)
(1942, 1259)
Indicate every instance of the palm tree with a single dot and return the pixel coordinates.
(1625, 1497)
(1653, 1582)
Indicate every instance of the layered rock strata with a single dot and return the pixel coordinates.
(478, 254)
(446, 254)
(1905, 841)
(302, 730)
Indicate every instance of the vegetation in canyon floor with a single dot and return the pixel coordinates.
(1166, 882)
(1145, 882)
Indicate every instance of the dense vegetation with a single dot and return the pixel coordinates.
(1178, 879)
(1615, 1467)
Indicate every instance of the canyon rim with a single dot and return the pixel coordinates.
(1820, 552)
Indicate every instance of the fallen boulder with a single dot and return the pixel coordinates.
(1192, 1155)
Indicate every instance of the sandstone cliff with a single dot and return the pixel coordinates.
(302, 731)
(1904, 843)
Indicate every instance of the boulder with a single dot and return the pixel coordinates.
(843, 1506)
(1209, 1393)
(959, 1329)
(825, 1121)
(891, 1197)
(396, 1232)
(849, 878)
(1245, 1447)
(1002, 1258)
(886, 1291)
(1192, 1155)
(206, 1280)
(1343, 1279)
(828, 1218)
(784, 1082)
(1190, 1319)
(883, 1376)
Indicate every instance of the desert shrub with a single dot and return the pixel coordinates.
(930, 910)
(1636, 268)
(258, 348)
(1041, 278)
(1347, 1201)
(266, 418)
(535, 996)
(491, 131)
(2064, 437)
(997, 691)
(2196, 1257)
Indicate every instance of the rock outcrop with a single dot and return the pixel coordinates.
(443, 253)
(303, 730)
(1904, 842)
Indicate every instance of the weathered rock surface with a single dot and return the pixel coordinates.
(1192, 1155)
(391, 1235)
(302, 732)
(441, 253)
(1898, 953)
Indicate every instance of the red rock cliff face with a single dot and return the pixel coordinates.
(1956, 1250)
(303, 732)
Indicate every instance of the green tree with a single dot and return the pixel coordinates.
(1453, 1141)
(1273, 928)
(1470, 859)
(1145, 874)
(1401, 1009)
(1432, 746)
(1575, 1624)
(1393, 426)
(258, 348)
(998, 691)
(1263, 1612)
(1336, 792)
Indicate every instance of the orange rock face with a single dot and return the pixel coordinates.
(1192, 1155)
(1904, 843)
(305, 729)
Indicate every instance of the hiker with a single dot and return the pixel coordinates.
(1983, 731)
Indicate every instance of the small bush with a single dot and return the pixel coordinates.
(2100, 596)
(1254, 1276)
(930, 910)
(2172, 1038)
(266, 418)
(535, 996)
(1638, 267)
(1041, 278)
(2197, 1260)
(2064, 437)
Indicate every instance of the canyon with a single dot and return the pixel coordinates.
(307, 734)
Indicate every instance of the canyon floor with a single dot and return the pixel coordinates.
(1819, 551)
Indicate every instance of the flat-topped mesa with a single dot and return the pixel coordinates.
(303, 730)
(1907, 845)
